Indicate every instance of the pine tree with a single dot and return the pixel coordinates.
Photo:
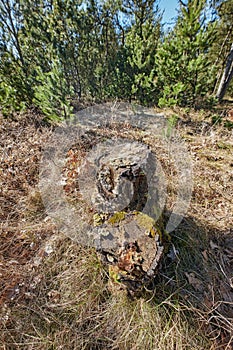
(224, 38)
(15, 85)
(141, 44)
(34, 37)
(184, 70)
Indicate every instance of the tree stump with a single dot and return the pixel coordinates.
(123, 191)
(131, 244)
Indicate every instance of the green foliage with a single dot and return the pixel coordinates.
(222, 44)
(8, 99)
(172, 95)
(228, 124)
(141, 41)
(184, 70)
(171, 123)
(108, 49)
(52, 93)
(216, 119)
(16, 92)
(123, 76)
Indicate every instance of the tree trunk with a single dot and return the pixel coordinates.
(226, 77)
(129, 241)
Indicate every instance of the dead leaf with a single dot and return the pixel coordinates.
(213, 245)
(194, 281)
(205, 255)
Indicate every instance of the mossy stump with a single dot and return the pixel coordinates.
(123, 189)
(131, 244)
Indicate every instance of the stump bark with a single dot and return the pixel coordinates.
(123, 193)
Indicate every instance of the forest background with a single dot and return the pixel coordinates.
(56, 53)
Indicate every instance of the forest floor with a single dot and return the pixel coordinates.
(54, 293)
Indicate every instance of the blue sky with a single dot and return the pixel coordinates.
(170, 10)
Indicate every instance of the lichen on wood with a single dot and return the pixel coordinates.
(123, 193)
(132, 248)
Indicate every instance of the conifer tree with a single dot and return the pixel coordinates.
(141, 43)
(221, 47)
(15, 86)
(184, 70)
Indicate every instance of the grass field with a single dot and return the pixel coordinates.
(55, 294)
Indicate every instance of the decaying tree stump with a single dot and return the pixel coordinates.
(123, 191)
(131, 244)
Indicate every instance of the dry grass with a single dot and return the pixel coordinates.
(66, 303)
(54, 293)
